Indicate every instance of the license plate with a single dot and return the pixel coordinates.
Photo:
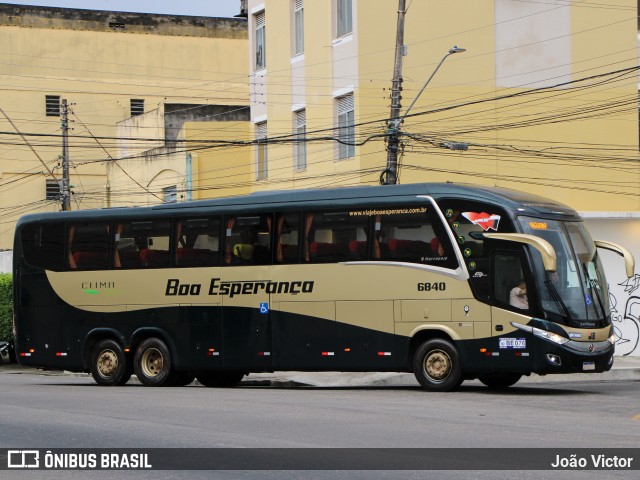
(588, 366)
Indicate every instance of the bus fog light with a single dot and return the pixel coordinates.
(554, 359)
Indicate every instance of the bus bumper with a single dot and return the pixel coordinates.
(572, 357)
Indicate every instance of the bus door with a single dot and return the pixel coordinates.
(512, 297)
(244, 289)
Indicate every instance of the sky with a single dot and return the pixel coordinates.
(206, 8)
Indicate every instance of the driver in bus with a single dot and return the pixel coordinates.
(518, 296)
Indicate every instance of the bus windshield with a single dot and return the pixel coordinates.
(577, 291)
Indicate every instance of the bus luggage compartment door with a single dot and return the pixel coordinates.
(246, 320)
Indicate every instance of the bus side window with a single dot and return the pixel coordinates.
(142, 244)
(248, 240)
(412, 237)
(335, 237)
(198, 242)
(287, 235)
(88, 246)
(43, 245)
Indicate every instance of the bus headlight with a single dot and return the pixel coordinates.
(613, 339)
(552, 337)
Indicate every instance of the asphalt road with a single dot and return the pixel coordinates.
(53, 411)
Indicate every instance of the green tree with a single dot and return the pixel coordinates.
(6, 307)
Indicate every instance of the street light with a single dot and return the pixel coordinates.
(394, 127)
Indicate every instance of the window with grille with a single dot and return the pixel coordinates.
(52, 190)
(137, 106)
(52, 105)
(298, 23)
(346, 129)
(260, 46)
(170, 194)
(344, 17)
(300, 140)
(261, 151)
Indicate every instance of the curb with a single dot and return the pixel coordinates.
(362, 379)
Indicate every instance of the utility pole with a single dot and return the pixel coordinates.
(393, 126)
(64, 188)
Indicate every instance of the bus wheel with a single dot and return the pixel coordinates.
(500, 381)
(220, 379)
(152, 363)
(109, 364)
(436, 365)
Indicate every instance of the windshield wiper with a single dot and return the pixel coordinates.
(557, 298)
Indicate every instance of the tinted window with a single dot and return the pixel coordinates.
(287, 235)
(248, 240)
(198, 242)
(142, 244)
(43, 245)
(336, 236)
(413, 235)
(88, 246)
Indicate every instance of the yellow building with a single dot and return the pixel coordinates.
(120, 73)
(545, 95)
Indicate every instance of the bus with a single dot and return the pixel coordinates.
(449, 281)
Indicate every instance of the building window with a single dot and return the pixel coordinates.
(261, 151)
(260, 46)
(346, 129)
(137, 106)
(344, 17)
(300, 144)
(52, 190)
(52, 105)
(298, 22)
(170, 194)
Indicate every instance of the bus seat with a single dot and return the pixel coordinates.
(91, 259)
(194, 257)
(327, 252)
(409, 249)
(129, 258)
(358, 249)
(154, 258)
(289, 252)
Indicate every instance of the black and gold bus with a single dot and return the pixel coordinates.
(448, 281)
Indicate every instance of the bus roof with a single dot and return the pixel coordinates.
(513, 200)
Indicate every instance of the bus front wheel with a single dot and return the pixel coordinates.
(152, 363)
(109, 364)
(436, 365)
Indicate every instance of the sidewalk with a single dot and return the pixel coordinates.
(624, 368)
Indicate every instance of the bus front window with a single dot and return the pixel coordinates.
(577, 291)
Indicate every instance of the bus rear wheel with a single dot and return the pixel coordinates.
(152, 363)
(500, 381)
(436, 365)
(109, 364)
(219, 379)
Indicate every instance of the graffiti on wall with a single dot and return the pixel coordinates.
(625, 316)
